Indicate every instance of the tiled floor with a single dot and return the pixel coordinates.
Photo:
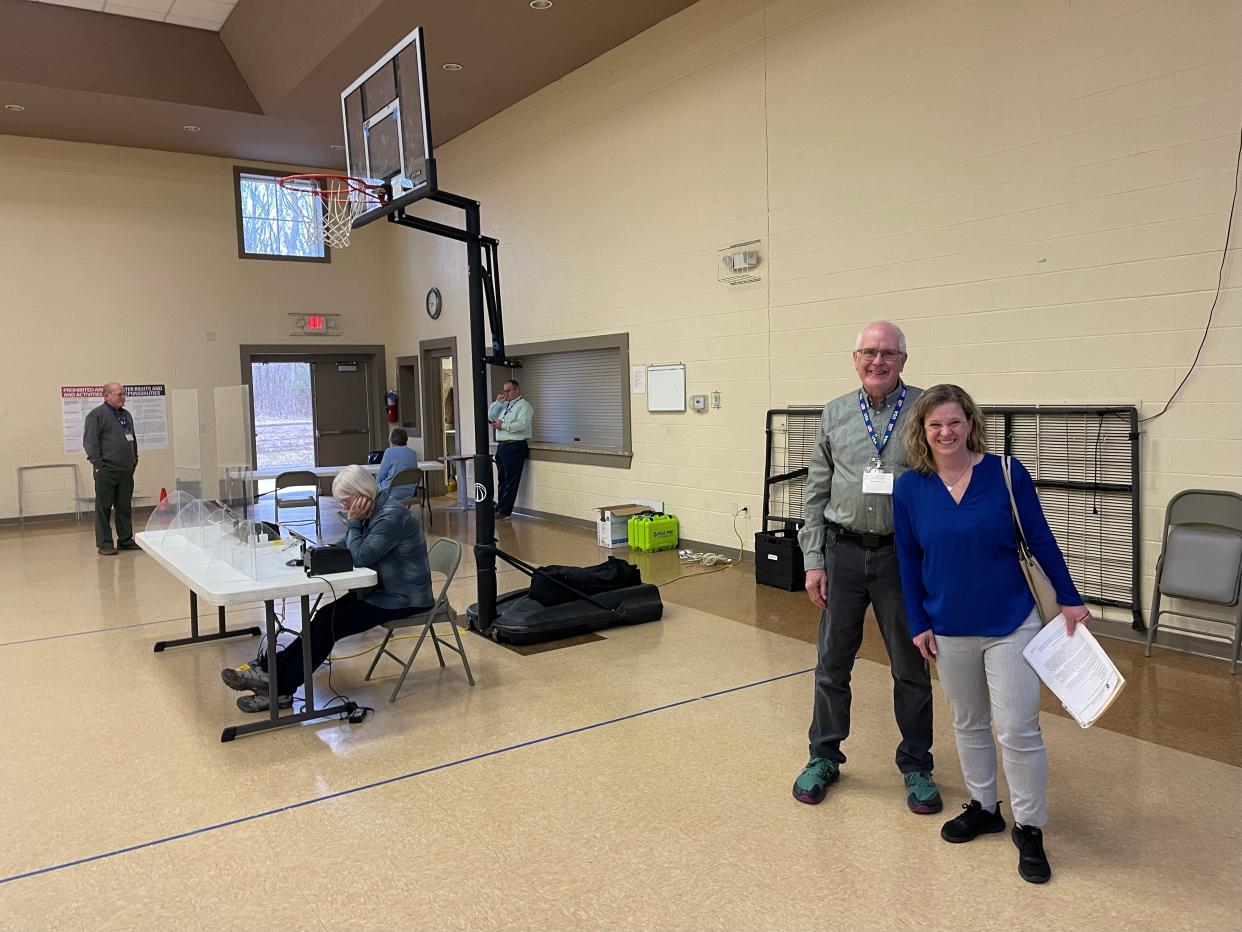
(636, 780)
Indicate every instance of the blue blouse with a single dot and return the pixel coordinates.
(396, 459)
(959, 562)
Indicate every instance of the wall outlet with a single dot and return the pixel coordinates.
(740, 509)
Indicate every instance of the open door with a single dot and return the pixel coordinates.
(438, 361)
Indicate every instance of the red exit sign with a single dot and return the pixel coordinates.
(316, 325)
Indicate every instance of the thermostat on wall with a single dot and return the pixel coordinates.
(316, 325)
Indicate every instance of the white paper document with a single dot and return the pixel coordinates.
(1076, 669)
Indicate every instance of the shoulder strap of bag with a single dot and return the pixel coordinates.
(1013, 505)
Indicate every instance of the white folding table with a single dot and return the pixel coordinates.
(223, 585)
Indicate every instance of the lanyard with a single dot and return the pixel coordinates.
(892, 421)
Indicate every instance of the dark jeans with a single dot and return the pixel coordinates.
(510, 458)
(347, 615)
(114, 488)
(858, 576)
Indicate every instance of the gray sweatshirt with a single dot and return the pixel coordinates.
(103, 438)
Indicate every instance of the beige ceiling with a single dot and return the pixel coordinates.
(267, 85)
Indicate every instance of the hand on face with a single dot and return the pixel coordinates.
(359, 506)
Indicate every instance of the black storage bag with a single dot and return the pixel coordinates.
(522, 620)
(614, 573)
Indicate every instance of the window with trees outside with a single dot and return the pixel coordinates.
(275, 222)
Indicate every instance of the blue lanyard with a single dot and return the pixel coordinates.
(892, 421)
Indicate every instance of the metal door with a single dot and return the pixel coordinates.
(342, 411)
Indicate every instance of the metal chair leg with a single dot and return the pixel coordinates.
(379, 653)
(409, 663)
(461, 649)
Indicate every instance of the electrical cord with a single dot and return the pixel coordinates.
(719, 562)
(1220, 277)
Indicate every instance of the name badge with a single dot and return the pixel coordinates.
(877, 481)
(129, 437)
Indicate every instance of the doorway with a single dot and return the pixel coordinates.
(441, 413)
(314, 407)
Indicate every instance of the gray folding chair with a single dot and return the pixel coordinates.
(301, 489)
(445, 557)
(1201, 559)
(418, 479)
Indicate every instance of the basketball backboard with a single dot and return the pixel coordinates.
(388, 123)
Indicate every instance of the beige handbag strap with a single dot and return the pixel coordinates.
(1013, 505)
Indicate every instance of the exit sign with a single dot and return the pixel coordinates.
(316, 325)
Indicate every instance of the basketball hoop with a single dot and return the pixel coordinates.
(342, 199)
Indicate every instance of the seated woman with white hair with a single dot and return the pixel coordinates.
(383, 535)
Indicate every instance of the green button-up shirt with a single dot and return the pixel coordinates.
(834, 482)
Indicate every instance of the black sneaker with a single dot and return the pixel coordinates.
(1033, 864)
(260, 703)
(973, 822)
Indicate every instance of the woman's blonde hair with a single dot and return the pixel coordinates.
(918, 452)
(352, 481)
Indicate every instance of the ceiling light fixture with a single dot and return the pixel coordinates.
(541, 4)
(14, 108)
(191, 128)
(452, 66)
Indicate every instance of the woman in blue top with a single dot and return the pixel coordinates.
(397, 458)
(383, 535)
(970, 610)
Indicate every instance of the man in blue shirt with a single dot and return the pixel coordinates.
(110, 441)
(511, 415)
(851, 562)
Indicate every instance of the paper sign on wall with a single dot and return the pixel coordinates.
(638, 380)
(145, 402)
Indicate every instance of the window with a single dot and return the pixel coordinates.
(579, 391)
(275, 223)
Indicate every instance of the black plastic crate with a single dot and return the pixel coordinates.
(778, 560)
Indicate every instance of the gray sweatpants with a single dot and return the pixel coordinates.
(988, 680)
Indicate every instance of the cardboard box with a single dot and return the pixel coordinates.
(611, 526)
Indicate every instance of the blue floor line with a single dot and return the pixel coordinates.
(397, 779)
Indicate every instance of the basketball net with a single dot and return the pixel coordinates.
(341, 199)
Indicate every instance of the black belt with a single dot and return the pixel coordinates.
(502, 442)
(869, 541)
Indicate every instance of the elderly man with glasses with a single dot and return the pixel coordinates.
(847, 545)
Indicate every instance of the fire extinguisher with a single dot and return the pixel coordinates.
(390, 401)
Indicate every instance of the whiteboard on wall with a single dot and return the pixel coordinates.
(666, 388)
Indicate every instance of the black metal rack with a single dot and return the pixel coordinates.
(1085, 463)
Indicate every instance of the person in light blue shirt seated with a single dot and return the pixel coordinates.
(397, 457)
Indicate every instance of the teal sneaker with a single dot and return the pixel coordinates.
(923, 797)
(818, 774)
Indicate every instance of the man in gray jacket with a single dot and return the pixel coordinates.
(111, 444)
(851, 562)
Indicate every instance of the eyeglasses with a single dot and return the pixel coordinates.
(888, 355)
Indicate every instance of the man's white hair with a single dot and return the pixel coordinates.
(901, 337)
(354, 480)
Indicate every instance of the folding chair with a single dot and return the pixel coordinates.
(445, 557)
(418, 479)
(297, 482)
(1201, 559)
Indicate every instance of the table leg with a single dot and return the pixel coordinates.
(196, 638)
(309, 712)
(464, 499)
